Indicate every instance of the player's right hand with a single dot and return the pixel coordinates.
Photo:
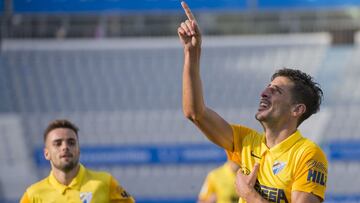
(188, 31)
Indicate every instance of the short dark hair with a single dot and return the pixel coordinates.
(305, 90)
(60, 123)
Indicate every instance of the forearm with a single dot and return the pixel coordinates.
(255, 197)
(209, 122)
(193, 101)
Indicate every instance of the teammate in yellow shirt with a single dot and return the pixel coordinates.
(278, 165)
(70, 181)
(219, 185)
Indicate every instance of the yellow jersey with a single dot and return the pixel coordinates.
(221, 183)
(295, 164)
(87, 187)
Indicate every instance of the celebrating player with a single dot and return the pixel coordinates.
(279, 165)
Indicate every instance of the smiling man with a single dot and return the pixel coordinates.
(278, 165)
(70, 181)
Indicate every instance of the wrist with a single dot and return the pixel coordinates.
(253, 196)
(192, 49)
(192, 52)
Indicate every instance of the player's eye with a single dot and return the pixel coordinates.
(57, 143)
(72, 142)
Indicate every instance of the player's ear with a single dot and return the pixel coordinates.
(46, 154)
(298, 110)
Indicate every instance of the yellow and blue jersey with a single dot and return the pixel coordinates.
(87, 187)
(295, 164)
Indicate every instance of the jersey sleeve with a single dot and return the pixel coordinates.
(239, 133)
(207, 189)
(118, 194)
(312, 173)
(25, 198)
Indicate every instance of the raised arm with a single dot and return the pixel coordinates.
(209, 122)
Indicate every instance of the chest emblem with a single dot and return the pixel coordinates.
(85, 197)
(278, 166)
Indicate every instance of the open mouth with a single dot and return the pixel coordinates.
(264, 104)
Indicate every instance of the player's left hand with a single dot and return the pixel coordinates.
(189, 31)
(244, 184)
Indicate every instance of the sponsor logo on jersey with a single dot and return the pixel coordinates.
(122, 192)
(125, 194)
(316, 177)
(278, 166)
(85, 197)
(316, 165)
(271, 194)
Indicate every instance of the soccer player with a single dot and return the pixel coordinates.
(70, 181)
(219, 185)
(279, 165)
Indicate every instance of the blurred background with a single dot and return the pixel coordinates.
(114, 68)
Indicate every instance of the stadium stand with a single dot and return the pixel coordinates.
(17, 169)
(125, 95)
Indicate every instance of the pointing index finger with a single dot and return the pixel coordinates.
(187, 11)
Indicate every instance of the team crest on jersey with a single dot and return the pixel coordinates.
(277, 167)
(85, 197)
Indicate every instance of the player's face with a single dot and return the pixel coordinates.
(276, 101)
(62, 149)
